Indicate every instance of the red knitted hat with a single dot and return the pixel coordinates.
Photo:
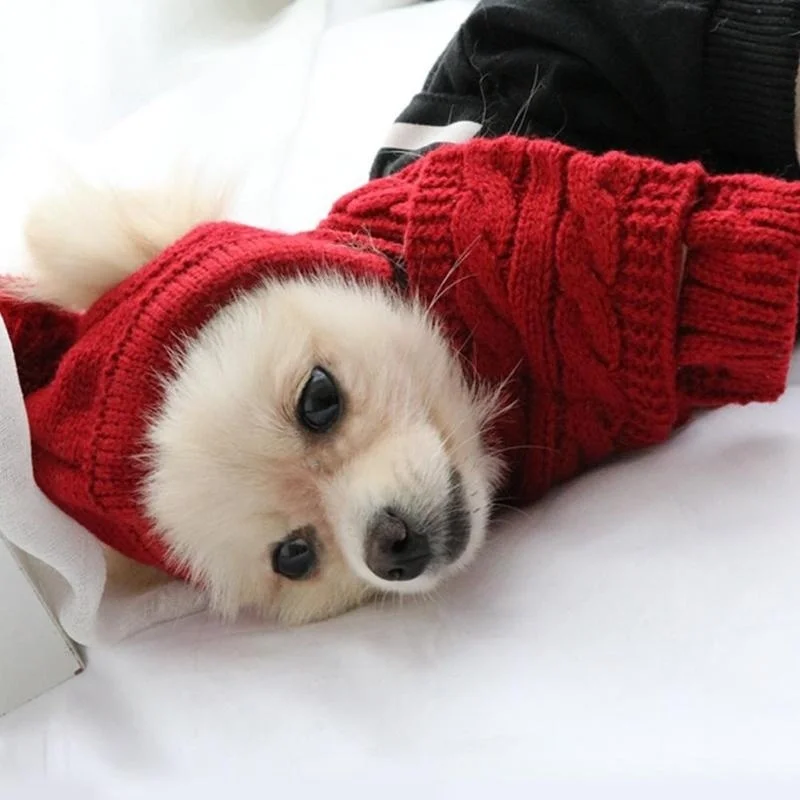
(88, 418)
(617, 294)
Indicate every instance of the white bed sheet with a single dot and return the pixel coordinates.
(641, 625)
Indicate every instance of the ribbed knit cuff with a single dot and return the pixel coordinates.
(739, 302)
(750, 71)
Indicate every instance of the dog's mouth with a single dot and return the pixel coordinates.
(404, 544)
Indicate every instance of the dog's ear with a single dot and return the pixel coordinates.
(85, 239)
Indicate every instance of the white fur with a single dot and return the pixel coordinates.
(231, 473)
(85, 238)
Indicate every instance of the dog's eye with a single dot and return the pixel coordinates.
(294, 558)
(320, 405)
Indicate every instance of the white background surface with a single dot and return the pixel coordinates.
(641, 626)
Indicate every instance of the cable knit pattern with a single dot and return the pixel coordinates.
(612, 295)
(569, 283)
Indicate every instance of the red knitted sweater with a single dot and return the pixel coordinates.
(618, 293)
(614, 294)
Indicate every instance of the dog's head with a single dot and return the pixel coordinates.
(318, 445)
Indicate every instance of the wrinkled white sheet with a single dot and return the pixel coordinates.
(643, 624)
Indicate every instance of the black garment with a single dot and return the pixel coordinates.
(675, 79)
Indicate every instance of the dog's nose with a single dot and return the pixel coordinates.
(394, 550)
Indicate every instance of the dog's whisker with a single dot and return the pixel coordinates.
(470, 439)
(459, 354)
(519, 120)
(440, 295)
(448, 438)
(525, 514)
(443, 287)
(514, 448)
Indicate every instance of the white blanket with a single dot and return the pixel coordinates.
(641, 624)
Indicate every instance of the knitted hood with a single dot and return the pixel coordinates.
(93, 381)
(613, 294)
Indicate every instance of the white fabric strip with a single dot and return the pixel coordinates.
(410, 136)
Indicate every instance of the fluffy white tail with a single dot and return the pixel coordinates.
(86, 239)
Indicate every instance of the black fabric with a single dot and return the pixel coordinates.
(674, 79)
(750, 68)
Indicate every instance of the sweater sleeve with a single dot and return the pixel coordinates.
(738, 308)
(612, 296)
(677, 81)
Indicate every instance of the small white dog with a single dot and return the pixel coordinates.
(320, 436)
(318, 444)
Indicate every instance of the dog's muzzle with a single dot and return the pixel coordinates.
(402, 544)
